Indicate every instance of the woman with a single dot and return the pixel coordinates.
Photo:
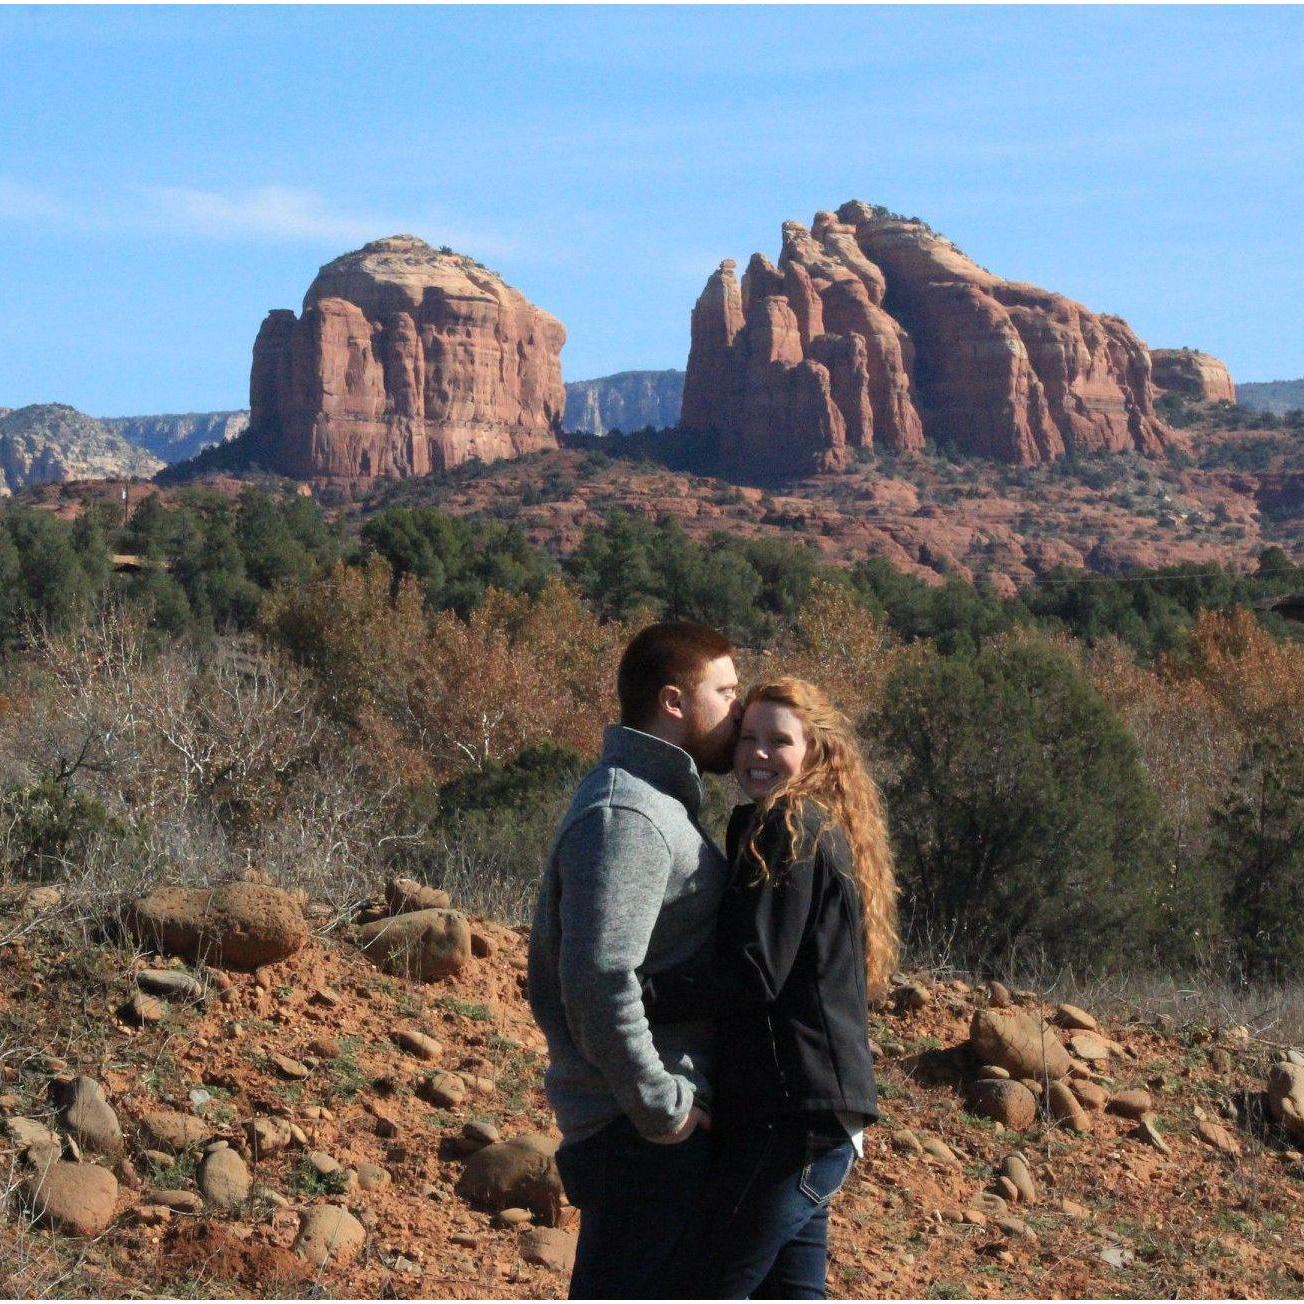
(807, 931)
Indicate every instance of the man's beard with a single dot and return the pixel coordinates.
(712, 749)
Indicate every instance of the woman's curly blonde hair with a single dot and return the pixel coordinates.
(835, 777)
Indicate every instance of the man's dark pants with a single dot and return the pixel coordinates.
(636, 1200)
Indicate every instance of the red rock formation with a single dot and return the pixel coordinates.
(873, 330)
(405, 361)
(1193, 374)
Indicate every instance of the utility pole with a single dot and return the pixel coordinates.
(125, 511)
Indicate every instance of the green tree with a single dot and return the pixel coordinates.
(1021, 816)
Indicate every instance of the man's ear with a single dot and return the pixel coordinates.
(671, 700)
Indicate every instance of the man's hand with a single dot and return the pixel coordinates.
(696, 1118)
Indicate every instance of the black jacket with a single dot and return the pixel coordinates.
(787, 982)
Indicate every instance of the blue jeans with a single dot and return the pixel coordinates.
(636, 1200)
(762, 1230)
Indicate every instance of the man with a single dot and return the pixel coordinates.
(632, 886)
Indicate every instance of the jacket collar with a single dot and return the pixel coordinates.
(665, 766)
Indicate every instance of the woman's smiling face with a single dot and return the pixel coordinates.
(771, 748)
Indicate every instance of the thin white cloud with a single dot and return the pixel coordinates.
(257, 214)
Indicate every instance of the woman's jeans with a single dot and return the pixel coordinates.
(636, 1200)
(762, 1231)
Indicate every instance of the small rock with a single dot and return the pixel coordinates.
(167, 1129)
(989, 1204)
(425, 944)
(1212, 1134)
(1074, 1017)
(419, 1044)
(372, 1177)
(1006, 1189)
(87, 1115)
(513, 1217)
(179, 1201)
(1009, 1103)
(289, 1068)
(482, 946)
(1088, 1046)
(1091, 1095)
(1117, 1256)
(1286, 1098)
(325, 996)
(1148, 1132)
(41, 900)
(1295, 1056)
(974, 1218)
(1012, 1226)
(324, 1047)
(143, 1010)
(267, 1136)
(993, 1071)
(906, 1142)
(1071, 1208)
(998, 996)
(481, 1132)
(443, 1090)
(170, 982)
(323, 1163)
(329, 1234)
(519, 1172)
(27, 1132)
(1065, 1109)
(271, 1195)
(404, 895)
(909, 997)
(1133, 1103)
(1016, 1169)
(937, 1149)
(152, 1215)
(468, 1240)
(224, 1179)
(549, 1247)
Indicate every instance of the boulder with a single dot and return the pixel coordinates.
(267, 1136)
(443, 1090)
(237, 926)
(405, 895)
(329, 1235)
(521, 1171)
(1017, 1042)
(224, 1179)
(1217, 1136)
(1286, 1098)
(1091, 1095)
(1088, 1046)
(425, 944)
(76, 1199)
(1009, 1103)
(87, 1116)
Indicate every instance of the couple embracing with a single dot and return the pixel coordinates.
(706, 1013)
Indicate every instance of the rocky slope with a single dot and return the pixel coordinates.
(48, 442)
(874, 330)
(174, 437)
(321, 1123)
(628, 400)
(406, 360)
(1193, 375)
(1279, 396)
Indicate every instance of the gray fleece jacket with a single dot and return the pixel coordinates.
(632, 886)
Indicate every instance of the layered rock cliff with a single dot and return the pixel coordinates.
(627, 400)
(875, 331)
(50, 442)
(176, 436)
(405, 360)
(1193, 374)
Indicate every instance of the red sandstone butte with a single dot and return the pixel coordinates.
(1193, 374)
(405, 361)
(874, 331)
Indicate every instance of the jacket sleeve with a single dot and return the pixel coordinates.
(760, 932)
(614, 865)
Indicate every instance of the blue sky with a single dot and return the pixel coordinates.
(167, 175)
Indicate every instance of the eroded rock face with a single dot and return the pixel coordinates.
(1193, 374)
(873, 330)
(405, 361)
